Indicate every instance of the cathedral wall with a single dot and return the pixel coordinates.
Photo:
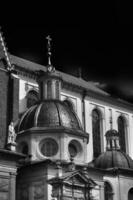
(84, 108)
(126, 183)
(114, 183)
(7, 182)
(32, 182)
(120, 185)
(105, 109)
(26, 85)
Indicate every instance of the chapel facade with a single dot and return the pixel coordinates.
(61, 137)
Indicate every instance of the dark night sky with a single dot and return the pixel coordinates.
(94, 37)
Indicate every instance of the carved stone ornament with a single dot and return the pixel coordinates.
(11, 134)
(39, 191)
(11, 142)
(4, 189)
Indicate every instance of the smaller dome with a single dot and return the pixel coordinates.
(113, 159)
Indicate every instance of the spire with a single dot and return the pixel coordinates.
(50, 67)
(4, 48)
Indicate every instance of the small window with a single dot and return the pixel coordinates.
(32, 98)
(96, 131)
(108, 192)
(49, 147)
(74, 148)
(122, 133)
(69, 103)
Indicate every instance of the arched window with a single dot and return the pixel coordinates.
(108, 192)
(96, 132)
(122, 131)
(69, 103)
(49, 89)
(32, 98)
(130, 194)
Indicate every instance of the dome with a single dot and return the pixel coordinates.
(49, 113)
(113, 159)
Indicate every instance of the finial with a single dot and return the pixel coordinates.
(10, 67)
(50, 67)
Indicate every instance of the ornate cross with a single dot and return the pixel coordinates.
(50, 68)
(49, 49)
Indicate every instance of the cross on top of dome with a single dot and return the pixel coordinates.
(50, 67)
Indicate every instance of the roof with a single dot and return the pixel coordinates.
(28, 65)
(72, 80)
(113, 159)
(76, 176)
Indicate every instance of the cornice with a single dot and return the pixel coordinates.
(59, 130)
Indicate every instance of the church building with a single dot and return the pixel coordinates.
(61, 137)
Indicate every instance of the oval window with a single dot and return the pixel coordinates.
(74, 148)
(49, 147)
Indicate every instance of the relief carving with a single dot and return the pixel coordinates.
(23, 193)
(39, 190)
(4, 188)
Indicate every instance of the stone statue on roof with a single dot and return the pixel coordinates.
(11, 134)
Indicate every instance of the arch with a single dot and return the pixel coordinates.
(122, 129)
(108, 191)
(130, 194)
(96, 132)
(32, 97)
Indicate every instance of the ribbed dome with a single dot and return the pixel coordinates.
(49, 113)
(112, 159)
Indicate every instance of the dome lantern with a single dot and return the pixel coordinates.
(112, 136)
(113, 157)
(112, 140)
(49, 81)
